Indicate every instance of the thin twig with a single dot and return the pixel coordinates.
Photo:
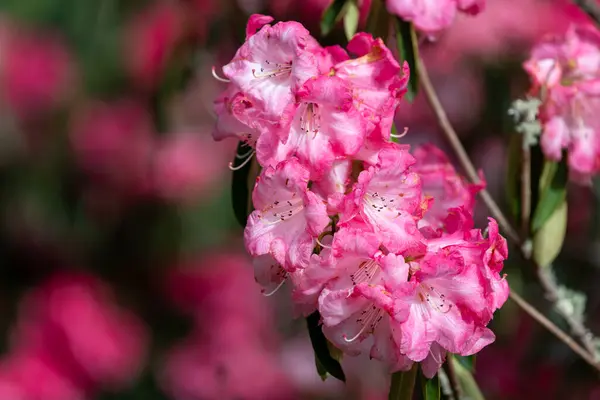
(591, 8)
(460, 151)
(551, 291)
(525, 187)
(577, 328)
(546, 323)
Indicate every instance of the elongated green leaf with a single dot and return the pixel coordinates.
(403, 384)
(351, 17)
(548, 240)
(408, 48)
(331, 16)
(378, 20)
(553, 191)
(430, 388)
(466, 381)
(321, 370)
(321, 347)
(241, 188)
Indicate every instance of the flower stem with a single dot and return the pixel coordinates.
(551, 292)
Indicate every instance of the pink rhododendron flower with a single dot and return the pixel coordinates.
(378, 82)
(321, 127)
(37, 72)
(386, 196)
(441, 182)
(357, 302)
(105, 347)
(288, 216)
(568, 68)
(113, 143)
(272, 64)
(184, 165)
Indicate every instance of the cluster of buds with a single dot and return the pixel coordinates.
(380, 241)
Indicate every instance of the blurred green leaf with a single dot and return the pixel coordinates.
(430, 388)
(331, 16)
(408, 48)
(378, 21)
(548, 240)
(466, 380)
(402, 385)
(351, 17)
(321, 345)
(553, 191)
(321, 370)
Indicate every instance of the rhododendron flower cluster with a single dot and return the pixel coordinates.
(379, 241)
(567, 68)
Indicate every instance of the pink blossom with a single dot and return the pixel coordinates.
(568, 68)
(442, 303)
(113, 143)
(443, 184)
(386, 196)
(272, 64)
(105, 347)
(184, 166)
(319, 128)
(196, 370)
(428, 16)
(287, 217)
(378, 82)
(356, 302)
(237, 116)
(37, 72)
(150, 39)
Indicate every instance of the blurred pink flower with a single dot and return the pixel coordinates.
(185, 165)
(309, 12)
(74, 323)
(36, 72)
(219, 287)
(32, 374)
(151, 38)
(113, 143)
(234, 335)
(199, 370)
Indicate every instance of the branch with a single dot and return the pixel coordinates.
(591, 8)
(551, 292)
(546, 323)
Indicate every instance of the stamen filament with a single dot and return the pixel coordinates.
(246, 161)
(217, 77)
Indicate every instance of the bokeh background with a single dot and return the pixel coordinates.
(123, 273)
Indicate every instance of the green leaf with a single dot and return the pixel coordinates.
(408, 48)
(553, 190)
(467, 361)
(548, 240)
(321, 347)
(466, 380)
(331, 16)
(241, 186)
(321, 370)
(430, 388)
(378, 20)
(351, 17)
(403, 384)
